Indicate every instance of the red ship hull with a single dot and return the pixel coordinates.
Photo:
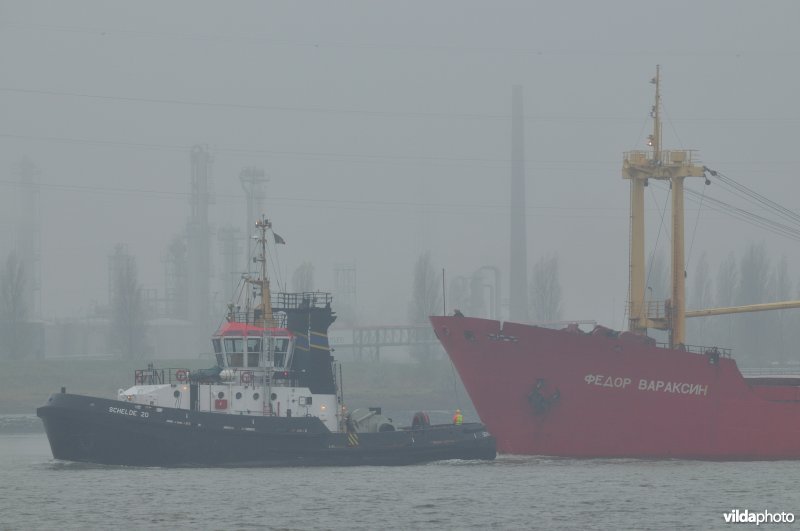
(567, 393)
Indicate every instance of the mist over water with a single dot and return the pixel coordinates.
(384, 133)
(513, 492)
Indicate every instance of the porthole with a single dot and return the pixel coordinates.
(273, 396)
(176, 394)
(220, 395)
(238, 396)
(255, 396)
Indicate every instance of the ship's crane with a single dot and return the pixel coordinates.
(674, 166)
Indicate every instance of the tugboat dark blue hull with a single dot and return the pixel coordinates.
(96, 430)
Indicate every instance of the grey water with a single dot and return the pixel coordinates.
(513, 492)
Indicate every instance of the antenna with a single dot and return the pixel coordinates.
(444, 295)
(655, 138)
(262, 225)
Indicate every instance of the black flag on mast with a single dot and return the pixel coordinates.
(278, 239)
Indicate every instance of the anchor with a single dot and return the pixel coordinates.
(541, 403)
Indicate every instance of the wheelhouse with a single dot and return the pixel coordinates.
(239, 346)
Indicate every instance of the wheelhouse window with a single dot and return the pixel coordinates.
(234, 351)
(281, 346)
(217, 343)
(253, 351)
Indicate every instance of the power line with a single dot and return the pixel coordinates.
(553, 164)
(334, 202)
(320, 156)
(252, 107)
(400, 46)
(307, 109)
(377, 112)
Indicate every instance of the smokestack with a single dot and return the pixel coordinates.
(518, 269)
(198, 238)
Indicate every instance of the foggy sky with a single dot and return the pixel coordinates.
(385, 131)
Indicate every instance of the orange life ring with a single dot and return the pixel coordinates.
(181, 375)
(246, 377)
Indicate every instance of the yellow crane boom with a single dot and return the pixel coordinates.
(785, 305)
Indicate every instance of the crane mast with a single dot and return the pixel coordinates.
(664, 165)
(674, 166)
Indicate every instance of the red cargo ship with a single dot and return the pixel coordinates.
(605, 393)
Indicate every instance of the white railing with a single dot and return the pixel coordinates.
(756, 372)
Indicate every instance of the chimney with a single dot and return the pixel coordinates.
(518, 268)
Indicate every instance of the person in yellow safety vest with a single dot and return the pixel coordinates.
(458, 418)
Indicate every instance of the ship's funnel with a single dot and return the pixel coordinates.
(518, 268)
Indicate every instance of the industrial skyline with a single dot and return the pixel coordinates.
(368, 130)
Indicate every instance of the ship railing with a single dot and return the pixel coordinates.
(289, 378)
(667, 157)
(755, 372)
(560, 325)
(253, 377)
(305, 299)
(243, 376)
(652, 309)
(167, 375)
(251, 318)
(700, 349)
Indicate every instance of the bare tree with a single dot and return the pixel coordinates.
(752, 332)
(700, 298)
(303, 277)
(545, 290)
(426, 300)
(426, 297)
(727, 280)
(127, 309)
(13, 311)
(754, 271)
(783, 333)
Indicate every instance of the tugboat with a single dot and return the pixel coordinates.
(272, 399)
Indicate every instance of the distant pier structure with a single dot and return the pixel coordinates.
(518, 244)
(344, 282)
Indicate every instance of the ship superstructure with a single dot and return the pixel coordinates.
(272, 354)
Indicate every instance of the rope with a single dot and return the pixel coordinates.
(658, 236)
(751, 218)
(455, 385)
(276, 264)
(756, 197)
(694, 231)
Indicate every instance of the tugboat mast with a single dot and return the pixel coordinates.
(265, 319)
